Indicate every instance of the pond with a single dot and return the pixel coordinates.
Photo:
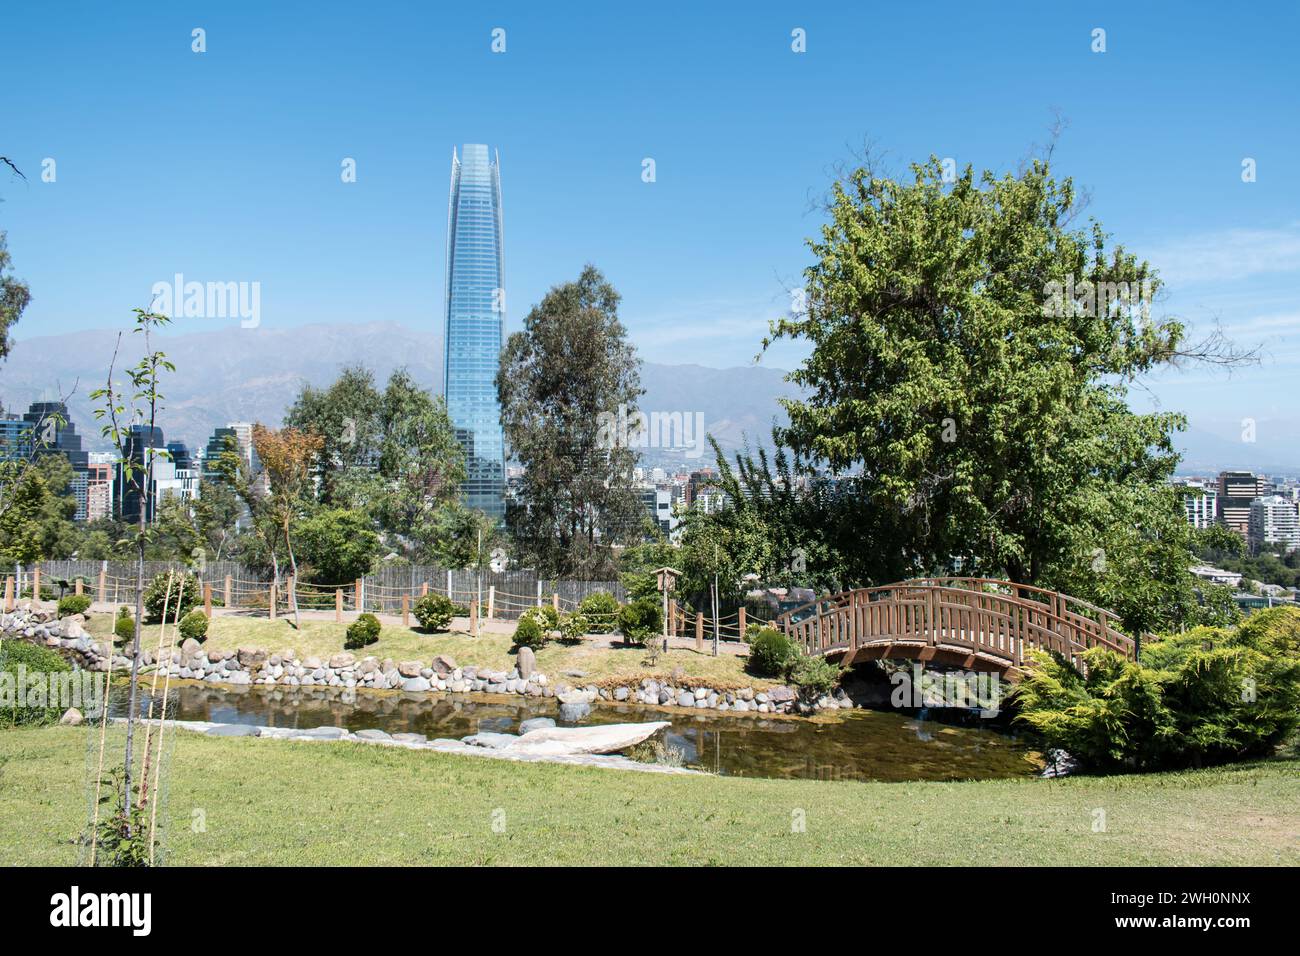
(849, 745)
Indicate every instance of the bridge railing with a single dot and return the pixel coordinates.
(996, 618)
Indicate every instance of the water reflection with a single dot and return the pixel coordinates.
(859, 745)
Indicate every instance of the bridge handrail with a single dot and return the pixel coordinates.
(1069, 607)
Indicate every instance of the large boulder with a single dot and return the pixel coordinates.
(572, 713)
(71, 718)
(444, 664)
(410, 668)
(252, 656)
(341, 660)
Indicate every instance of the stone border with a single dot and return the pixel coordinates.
(256, 667)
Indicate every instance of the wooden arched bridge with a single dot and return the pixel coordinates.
(976, 623)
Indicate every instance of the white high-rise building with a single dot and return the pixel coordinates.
(1201, 502)
(1274, 520)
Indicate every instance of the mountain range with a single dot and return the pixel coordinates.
(236, 374)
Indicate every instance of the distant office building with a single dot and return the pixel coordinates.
(475, 316)
(184, 482)
(15, 438)
(1274, 520)
(99, 486)
(1237, 489)
(1201, 502)
(658, 503)
(137, 491)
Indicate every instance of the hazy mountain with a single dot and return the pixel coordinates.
(234, 374)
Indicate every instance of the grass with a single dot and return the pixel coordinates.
(274, 802)
(321, 638)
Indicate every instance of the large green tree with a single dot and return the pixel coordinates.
(971, 352)
(14, 297)
(564, 379)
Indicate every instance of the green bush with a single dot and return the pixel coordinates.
(1209, 695)
(640, 620)
(364, 630)
(34, 659)
(530, 631)
(194, 625)
(434, 612)
(600, 608)
(771, 653)
(574, 626)
(123, 626)
(74, 604)
(184, 589)
(814, 676)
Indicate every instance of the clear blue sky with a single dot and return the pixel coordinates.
(225, 165)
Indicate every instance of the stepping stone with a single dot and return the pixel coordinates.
(371, 734)
(535, 723)
(232, 730)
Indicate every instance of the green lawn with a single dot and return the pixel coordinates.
(332, 803)
(322, 638)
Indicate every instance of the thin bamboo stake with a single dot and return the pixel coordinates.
(162, 727)
(153, 690)
(99, 770)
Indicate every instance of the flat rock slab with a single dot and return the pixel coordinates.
(375, 735)
(603, 739)
(232, 730)
(486, 738)
(535, 723)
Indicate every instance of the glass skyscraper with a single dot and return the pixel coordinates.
(475, 322)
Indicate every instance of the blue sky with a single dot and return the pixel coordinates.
(225, 165)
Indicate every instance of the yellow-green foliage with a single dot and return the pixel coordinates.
(1208, 695)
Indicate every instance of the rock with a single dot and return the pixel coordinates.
(341, 660)
(491, 740)
(527, 662)
(232, 730)
(252, 656)
(535, 723)
(444, 665)
(1059, 764)
(685, 699)
(572, 713)
(601, 739)
(576, 674)
(620, 693)
(311, 663)
(323, 733)
(572, 697)
(470, 674)
(71, 718)
(780, 695)
(416, 684)
(410, 668)
(701, 693)
(410, 738)
(372, 734)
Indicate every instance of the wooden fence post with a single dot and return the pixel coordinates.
(274, 596)
(77, 586)
(473, 618)
(103, 583)
(555, 600)
(359, 595)
(740, 622)
(9, 593)
(338, 605)
(672, 617)
(492, 601)
(207, 600)
(699, 632)
(229, 596)
(424, 588)
(406, 610)
(449, 594)
(539, 592)
(36, 582)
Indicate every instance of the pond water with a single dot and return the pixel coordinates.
(849, 745)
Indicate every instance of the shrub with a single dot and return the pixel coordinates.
(364, 630)
(771, 653)
(573, 627)
(640, 620)
(814, 676)
(600, 608)
(184, 590)
(434, 612)
(34, 659)
(124, 626)
(74, 604)
(530, 632)
(1208, 695)
(194, 625)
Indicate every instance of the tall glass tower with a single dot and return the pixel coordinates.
(475, 321)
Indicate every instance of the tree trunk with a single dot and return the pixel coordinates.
(293, 578)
